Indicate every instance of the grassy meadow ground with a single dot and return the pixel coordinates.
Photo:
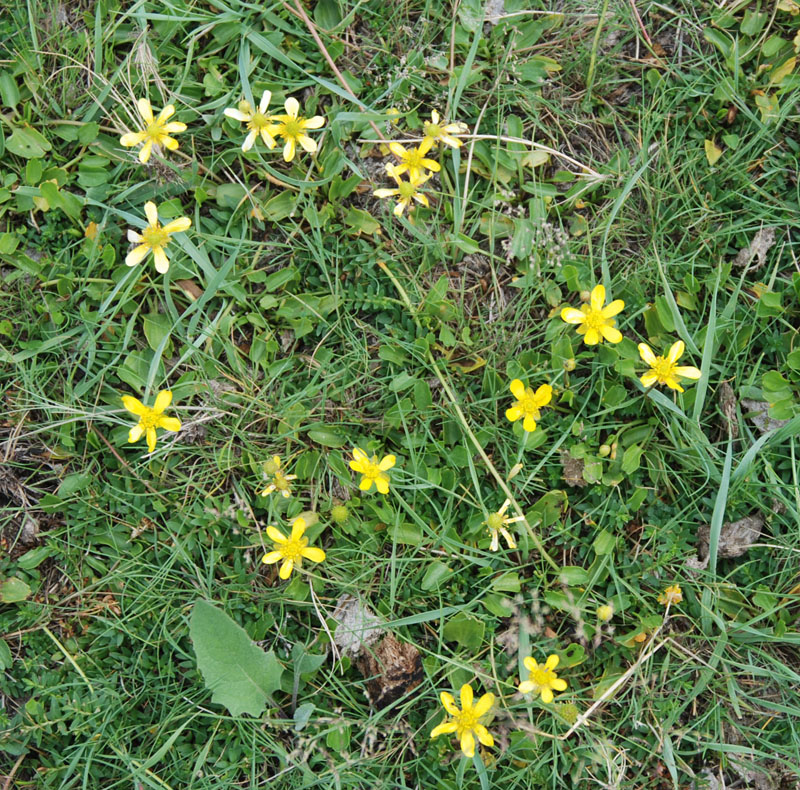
(651, 147)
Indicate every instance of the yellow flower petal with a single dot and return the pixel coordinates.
(449, 703)
(675, 352)
(286, 569)
(445, 728)
(552, 662)
(559, 684)
(292, 106)
(150, 435)
(649, 378)
(543, 395)
(316, 122)
(484, 736)
(382, 484)
(132, 138)
(288, 150)
(271, 557)
(137, 255)
(468, 743)
(466, 696)
(165, 114)
(170, 424)
(592, 337)
(526, 687)
(266, 98)
(688, 372)
(529, 424)
(530, 663)
(151, 212)
(387, 463)
(178, 225)
(572, 316)
(163, 399)
(314, 554)
(298, 528)
(365, 484)
(646, 353)
(145, 110)
(610, 333)
(161, 260)
(517, 389)
(145, 151)
(484, 705)
(135, 433)
(236, 115)
(134, 405)
(308, 144)
(617, 306)
(597, 298)
(275, 535)
(547, 695)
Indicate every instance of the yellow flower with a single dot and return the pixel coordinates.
(605, 612)
(542, 678)
(414, 161)
(291, 550)
(293, 129)
(497, 523)
(406, 191)
(154, 238)
(528, 403)
(373, 471)
(444, 132)
(663, 370)
(465, 721)
(672, 595)
(280, 481)
(258, 122)
(150, 418)
(595, 321)
(156, 131)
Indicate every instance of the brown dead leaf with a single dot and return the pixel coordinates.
(757, 249)
(727, 404)
(758, 414)
(735, 538)
(393, 669)
(190, 288)
(573, 470)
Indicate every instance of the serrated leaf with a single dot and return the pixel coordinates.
(239, 674)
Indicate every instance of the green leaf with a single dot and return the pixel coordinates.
(27, 143)
(604, 543)
(240, 675)
(14, 590)
(437, 572)
(631, 459)
(467, 631)
(6, 659)
(327, 438)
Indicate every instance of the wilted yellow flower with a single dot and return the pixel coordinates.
(91, 231)
(528, 403)
(150, 418)
(465, 721)
(280, 481)
(414, 160)
(154, 238)
(605, 612)
(291, 550)
(292, 128)
(444, 132)
(497, 523)
(596, 323)
(672, 595)
(664, 370)
(406, 191)
(156, 131)
(373, 471)
(542, 678)
(258, 122)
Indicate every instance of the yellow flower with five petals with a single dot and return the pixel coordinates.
(292, 550)
(414, 160)
(596, 322)
(156, 130)
(372, 470)
(154, 238)
(465, 722)
(542, 678)
(292, 127)
(665, 370)
(150, 418)
(280, 481)
(439, 132)
(528, 403)
(497, 523)
(406, 191)
(258, 122)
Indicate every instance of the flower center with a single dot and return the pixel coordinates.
(465, 721)
(663, 369)
(155, 131)
(280, 482)
(542, 677)
(595, 320)
(432, 130)
(149, 419)
(529, 406)
(293, 128)
(154, 236)
(494, 522)
(258, 122)
(293, 549)
(371, 470)
(414, 158)
(406, 190)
